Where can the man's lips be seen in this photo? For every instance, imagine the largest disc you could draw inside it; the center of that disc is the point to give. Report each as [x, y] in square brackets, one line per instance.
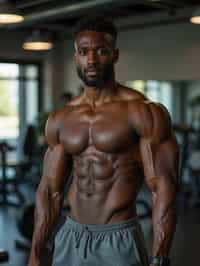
[92, 72]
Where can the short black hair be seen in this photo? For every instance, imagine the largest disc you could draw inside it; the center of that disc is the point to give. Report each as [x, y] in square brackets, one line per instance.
[96, 23]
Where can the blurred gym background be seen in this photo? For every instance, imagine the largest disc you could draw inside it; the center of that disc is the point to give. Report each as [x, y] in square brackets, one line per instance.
[159, 44]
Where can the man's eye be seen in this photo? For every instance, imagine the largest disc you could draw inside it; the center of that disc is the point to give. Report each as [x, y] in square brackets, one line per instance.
[82, 52]
[103, 51]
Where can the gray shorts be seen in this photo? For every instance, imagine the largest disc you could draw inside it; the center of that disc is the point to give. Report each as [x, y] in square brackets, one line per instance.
[120, 244]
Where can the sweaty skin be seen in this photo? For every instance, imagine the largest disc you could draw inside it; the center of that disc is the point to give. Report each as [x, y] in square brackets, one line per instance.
[109, 139]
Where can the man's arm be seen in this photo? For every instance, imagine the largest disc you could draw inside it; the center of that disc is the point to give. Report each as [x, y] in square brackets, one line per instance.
[49, 196]
[159, 151]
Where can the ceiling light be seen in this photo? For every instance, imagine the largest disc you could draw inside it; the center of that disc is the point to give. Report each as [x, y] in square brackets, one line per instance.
[9, 14]
[154, 0]
[196, 17]
[38, 41]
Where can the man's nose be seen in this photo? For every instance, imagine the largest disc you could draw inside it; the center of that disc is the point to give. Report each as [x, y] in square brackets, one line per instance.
[92, 58]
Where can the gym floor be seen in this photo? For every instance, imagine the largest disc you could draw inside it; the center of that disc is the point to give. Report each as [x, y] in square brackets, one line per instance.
[185, 250]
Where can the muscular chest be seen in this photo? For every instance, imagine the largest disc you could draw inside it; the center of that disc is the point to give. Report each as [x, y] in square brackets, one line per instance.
[107, 129]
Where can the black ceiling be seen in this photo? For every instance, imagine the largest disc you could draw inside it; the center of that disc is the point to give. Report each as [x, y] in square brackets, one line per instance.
[60, 16]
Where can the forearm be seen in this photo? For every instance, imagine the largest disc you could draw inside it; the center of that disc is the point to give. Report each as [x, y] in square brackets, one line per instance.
[47, 212]
[164, 220]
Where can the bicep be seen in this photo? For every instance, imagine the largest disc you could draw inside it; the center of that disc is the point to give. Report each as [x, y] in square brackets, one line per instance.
[57, 162]
[160, 161]
[56, 167]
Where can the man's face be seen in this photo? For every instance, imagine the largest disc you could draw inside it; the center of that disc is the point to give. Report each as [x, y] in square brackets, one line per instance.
[95, 56]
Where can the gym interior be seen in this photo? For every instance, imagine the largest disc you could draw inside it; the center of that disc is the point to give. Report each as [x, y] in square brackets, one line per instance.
[159, 45]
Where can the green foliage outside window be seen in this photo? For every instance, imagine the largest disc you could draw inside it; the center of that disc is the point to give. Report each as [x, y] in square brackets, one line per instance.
[6, 107]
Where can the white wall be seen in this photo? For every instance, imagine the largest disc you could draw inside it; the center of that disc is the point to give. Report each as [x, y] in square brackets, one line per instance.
[163, 53]
[169, 52]
[53, 77]
[71, 81]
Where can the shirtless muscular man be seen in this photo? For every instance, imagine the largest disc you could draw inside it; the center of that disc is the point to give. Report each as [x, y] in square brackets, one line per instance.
[109, 139]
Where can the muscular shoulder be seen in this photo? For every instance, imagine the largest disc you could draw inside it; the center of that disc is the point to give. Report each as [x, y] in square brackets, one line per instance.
[150, 119]
[54, 123]
[130, 94]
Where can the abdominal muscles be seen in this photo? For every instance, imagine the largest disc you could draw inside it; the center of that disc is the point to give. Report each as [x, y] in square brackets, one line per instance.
[103, 187]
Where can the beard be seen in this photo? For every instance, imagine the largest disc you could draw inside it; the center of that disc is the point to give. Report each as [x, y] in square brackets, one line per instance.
[100, 79]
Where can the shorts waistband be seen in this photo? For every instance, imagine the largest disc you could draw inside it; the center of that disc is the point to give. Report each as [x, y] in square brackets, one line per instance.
[130, 223]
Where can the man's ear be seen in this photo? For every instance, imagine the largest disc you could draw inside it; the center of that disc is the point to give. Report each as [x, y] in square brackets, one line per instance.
[75, 53]
[115, 56]
[74, 57]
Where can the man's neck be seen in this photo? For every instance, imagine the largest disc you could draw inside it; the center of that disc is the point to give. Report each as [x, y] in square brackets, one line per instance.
[96, 96]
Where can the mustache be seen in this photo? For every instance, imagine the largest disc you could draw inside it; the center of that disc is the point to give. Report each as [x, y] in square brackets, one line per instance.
[91, 68]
